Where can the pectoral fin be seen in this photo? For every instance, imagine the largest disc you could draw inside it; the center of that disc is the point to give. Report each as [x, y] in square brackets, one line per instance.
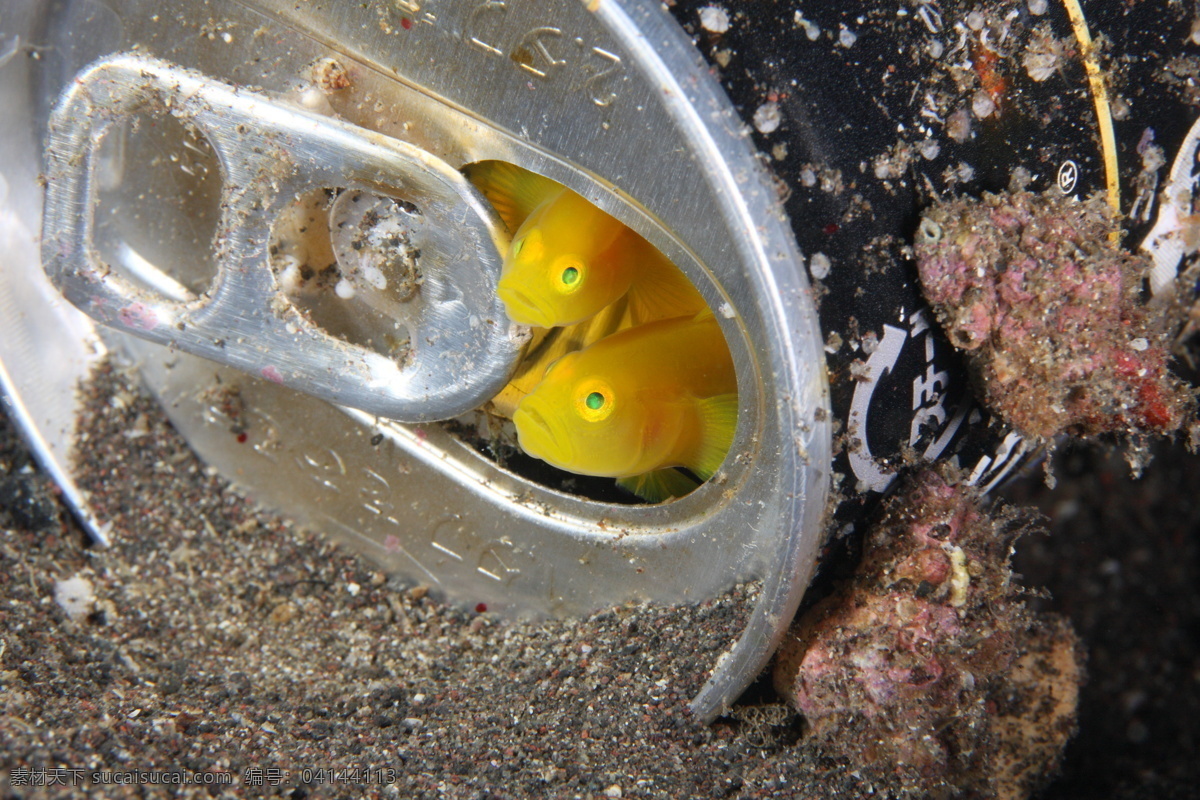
[659, 486]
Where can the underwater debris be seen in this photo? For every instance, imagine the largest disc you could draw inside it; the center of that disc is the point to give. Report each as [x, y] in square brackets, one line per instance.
[926, 671]
[1038, 292]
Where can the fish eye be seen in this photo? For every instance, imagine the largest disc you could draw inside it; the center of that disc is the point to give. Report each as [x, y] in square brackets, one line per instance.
[595, 401]
[930, 231]
[567, 274]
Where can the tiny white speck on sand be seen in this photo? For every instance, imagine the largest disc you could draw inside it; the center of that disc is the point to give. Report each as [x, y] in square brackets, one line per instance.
[767, 117]
[819, 266]
[75, 595]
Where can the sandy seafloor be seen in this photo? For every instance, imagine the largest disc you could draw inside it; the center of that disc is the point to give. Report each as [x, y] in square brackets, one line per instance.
[223, 641]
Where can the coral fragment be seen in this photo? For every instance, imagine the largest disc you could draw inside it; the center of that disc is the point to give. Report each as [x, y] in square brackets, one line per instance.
[925, 670]
[1038, 292]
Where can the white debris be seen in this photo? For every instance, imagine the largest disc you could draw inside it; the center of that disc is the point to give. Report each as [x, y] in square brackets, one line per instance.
[846, 37]
[344, 289]
[1153, 158]
[1120, 108]
[929, 149]
[833, 342]
[714, 19]
[1140, 343]
[727, 311]
[958, 126]
[1040, 66]
[75, 596]
[1038, 7]
[810, 28]
[314, 99]
[767, 117]
[819, 266]
[982, 104]
[1019, 179]
[960, 577]
[870, 342]
[290, 279]
[931, 17]
[374, 276]
[1044, 54]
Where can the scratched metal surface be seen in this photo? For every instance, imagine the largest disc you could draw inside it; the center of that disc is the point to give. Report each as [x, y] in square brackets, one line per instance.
[563, 90]
[460, 349]
[611, 101]
[46, 346]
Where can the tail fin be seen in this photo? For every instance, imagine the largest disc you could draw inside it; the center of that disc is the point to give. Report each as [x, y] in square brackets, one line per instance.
[719, 416]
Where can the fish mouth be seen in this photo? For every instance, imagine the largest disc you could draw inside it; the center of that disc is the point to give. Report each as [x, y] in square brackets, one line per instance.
[522, 308]
[538, 438]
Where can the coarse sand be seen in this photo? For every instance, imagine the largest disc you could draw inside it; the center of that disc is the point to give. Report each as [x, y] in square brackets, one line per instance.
[220, 640]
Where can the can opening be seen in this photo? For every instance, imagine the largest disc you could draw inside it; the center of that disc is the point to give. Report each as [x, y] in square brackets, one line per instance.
[629, 378]
[346, 260]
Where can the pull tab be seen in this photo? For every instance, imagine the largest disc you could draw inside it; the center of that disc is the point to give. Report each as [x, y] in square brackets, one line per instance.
[415, 246]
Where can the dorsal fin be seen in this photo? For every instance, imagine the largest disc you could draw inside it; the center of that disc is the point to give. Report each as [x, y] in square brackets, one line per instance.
[551, 345]
[660, 290]
[514, 192]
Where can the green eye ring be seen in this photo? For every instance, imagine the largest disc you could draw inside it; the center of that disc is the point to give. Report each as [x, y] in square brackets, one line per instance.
[594, 401]
[567, 274]
[516, 247]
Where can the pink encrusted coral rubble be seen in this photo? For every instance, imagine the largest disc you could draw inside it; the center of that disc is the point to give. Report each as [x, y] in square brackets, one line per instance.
[925, 671]
[1038, 292]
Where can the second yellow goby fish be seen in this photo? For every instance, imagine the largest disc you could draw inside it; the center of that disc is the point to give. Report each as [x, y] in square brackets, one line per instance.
[637, 404]
[569, 259]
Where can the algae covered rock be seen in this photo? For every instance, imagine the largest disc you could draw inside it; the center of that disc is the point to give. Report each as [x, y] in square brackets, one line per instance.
[926, 671]
[1038, 292]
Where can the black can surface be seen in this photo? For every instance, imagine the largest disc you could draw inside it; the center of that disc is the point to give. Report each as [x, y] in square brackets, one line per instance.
[870, 113]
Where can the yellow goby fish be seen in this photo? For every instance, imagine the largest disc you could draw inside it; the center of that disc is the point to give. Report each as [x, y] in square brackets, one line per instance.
[636, 404]
[549, 345]
[569, 259]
